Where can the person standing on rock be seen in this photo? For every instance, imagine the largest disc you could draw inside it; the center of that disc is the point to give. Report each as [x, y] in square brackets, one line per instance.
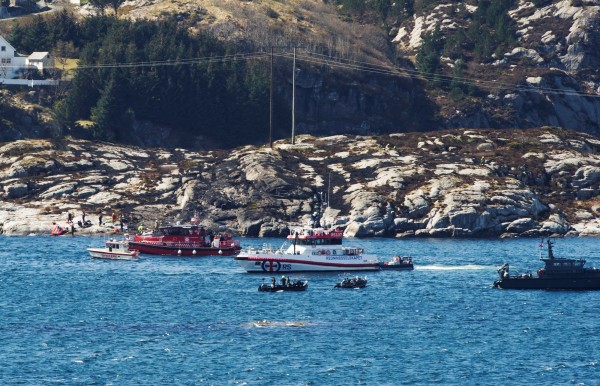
[69, 217]
[83, 216]
[114, 218]
[100, 219]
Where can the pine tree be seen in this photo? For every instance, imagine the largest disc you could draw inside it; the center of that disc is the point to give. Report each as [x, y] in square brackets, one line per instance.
[109, 114]
[428, 57]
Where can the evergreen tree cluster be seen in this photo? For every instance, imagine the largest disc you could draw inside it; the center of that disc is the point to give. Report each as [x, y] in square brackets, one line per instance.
[379, 9]
[490, 34]
[155, 71]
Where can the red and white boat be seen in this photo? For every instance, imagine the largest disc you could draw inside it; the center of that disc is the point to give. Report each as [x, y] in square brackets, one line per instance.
[114, 250]
[311, 249]
[185, 240]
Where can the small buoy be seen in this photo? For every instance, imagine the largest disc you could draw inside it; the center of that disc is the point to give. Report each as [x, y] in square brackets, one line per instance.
[220, 252]
[179, 251]
[194, 252]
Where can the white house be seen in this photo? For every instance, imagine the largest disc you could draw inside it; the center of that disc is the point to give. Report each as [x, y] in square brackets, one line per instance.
[14, 65]
[10, 61]
[40, 60]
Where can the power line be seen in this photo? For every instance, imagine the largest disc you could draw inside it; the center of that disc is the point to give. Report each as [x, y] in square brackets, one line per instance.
[347, 64]
[402, 72]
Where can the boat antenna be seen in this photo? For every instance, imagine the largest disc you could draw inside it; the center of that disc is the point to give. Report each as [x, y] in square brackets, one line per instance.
[295, 240]
[550, 254]
[329, 189]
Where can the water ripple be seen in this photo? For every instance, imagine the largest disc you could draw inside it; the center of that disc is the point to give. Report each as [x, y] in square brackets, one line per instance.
[66, 318]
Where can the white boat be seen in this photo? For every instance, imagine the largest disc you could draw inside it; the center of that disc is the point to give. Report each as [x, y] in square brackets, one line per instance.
[310, 249]
[114, 250]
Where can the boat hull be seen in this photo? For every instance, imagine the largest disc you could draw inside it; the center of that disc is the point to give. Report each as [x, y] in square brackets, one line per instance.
[299, 263]
[181, 250]
[278, 288]
[98, 253]
[399, 267]
[577, 284]
[352, 283]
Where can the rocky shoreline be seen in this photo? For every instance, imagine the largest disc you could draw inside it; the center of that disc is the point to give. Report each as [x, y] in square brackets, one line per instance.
[458, 183]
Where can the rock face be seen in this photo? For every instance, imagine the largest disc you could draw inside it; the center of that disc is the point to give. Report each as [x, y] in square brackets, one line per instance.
[460, 183]
[547, 77]
[556, 40]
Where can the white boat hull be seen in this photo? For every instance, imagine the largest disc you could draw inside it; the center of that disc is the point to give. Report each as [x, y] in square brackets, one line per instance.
[101, 253]
[273, 263]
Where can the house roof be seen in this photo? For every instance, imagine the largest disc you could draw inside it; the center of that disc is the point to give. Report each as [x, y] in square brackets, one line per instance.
[38, 56]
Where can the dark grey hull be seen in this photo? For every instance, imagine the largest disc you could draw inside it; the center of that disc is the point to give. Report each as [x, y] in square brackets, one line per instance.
[577, 284]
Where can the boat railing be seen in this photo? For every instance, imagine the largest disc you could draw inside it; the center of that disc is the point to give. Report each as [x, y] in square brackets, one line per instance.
[265, 249]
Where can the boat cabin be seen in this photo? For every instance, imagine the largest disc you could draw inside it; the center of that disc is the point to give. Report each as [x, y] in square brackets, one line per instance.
[317, 236]
[115, 245]
[561, 265]
[556, 265]
[182, 230]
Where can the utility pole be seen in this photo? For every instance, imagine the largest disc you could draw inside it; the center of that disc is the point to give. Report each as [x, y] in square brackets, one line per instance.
[294, 99]
[329, 190]
[271, 104]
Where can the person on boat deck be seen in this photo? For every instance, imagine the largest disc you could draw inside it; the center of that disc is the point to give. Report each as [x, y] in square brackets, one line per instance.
[273, 282]
[283, 280]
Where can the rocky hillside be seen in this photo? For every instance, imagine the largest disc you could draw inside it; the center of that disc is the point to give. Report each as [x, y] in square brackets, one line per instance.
[546, 75]
[454, 183]
[361, 73]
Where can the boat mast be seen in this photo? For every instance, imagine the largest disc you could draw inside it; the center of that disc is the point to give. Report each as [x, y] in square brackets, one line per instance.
[294, 99]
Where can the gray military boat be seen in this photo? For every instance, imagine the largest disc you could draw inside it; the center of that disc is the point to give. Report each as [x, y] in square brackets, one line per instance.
[557, 274]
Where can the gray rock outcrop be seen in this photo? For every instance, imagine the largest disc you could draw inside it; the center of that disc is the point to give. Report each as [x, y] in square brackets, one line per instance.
[540, 183]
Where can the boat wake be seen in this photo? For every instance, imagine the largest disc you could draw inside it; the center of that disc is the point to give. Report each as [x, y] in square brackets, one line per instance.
[468, 267]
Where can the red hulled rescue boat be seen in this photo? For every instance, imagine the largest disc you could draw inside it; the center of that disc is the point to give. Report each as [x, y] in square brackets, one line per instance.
[185, 240]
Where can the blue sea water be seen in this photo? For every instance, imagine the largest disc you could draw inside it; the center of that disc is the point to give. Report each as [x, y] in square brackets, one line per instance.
[66, 318]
